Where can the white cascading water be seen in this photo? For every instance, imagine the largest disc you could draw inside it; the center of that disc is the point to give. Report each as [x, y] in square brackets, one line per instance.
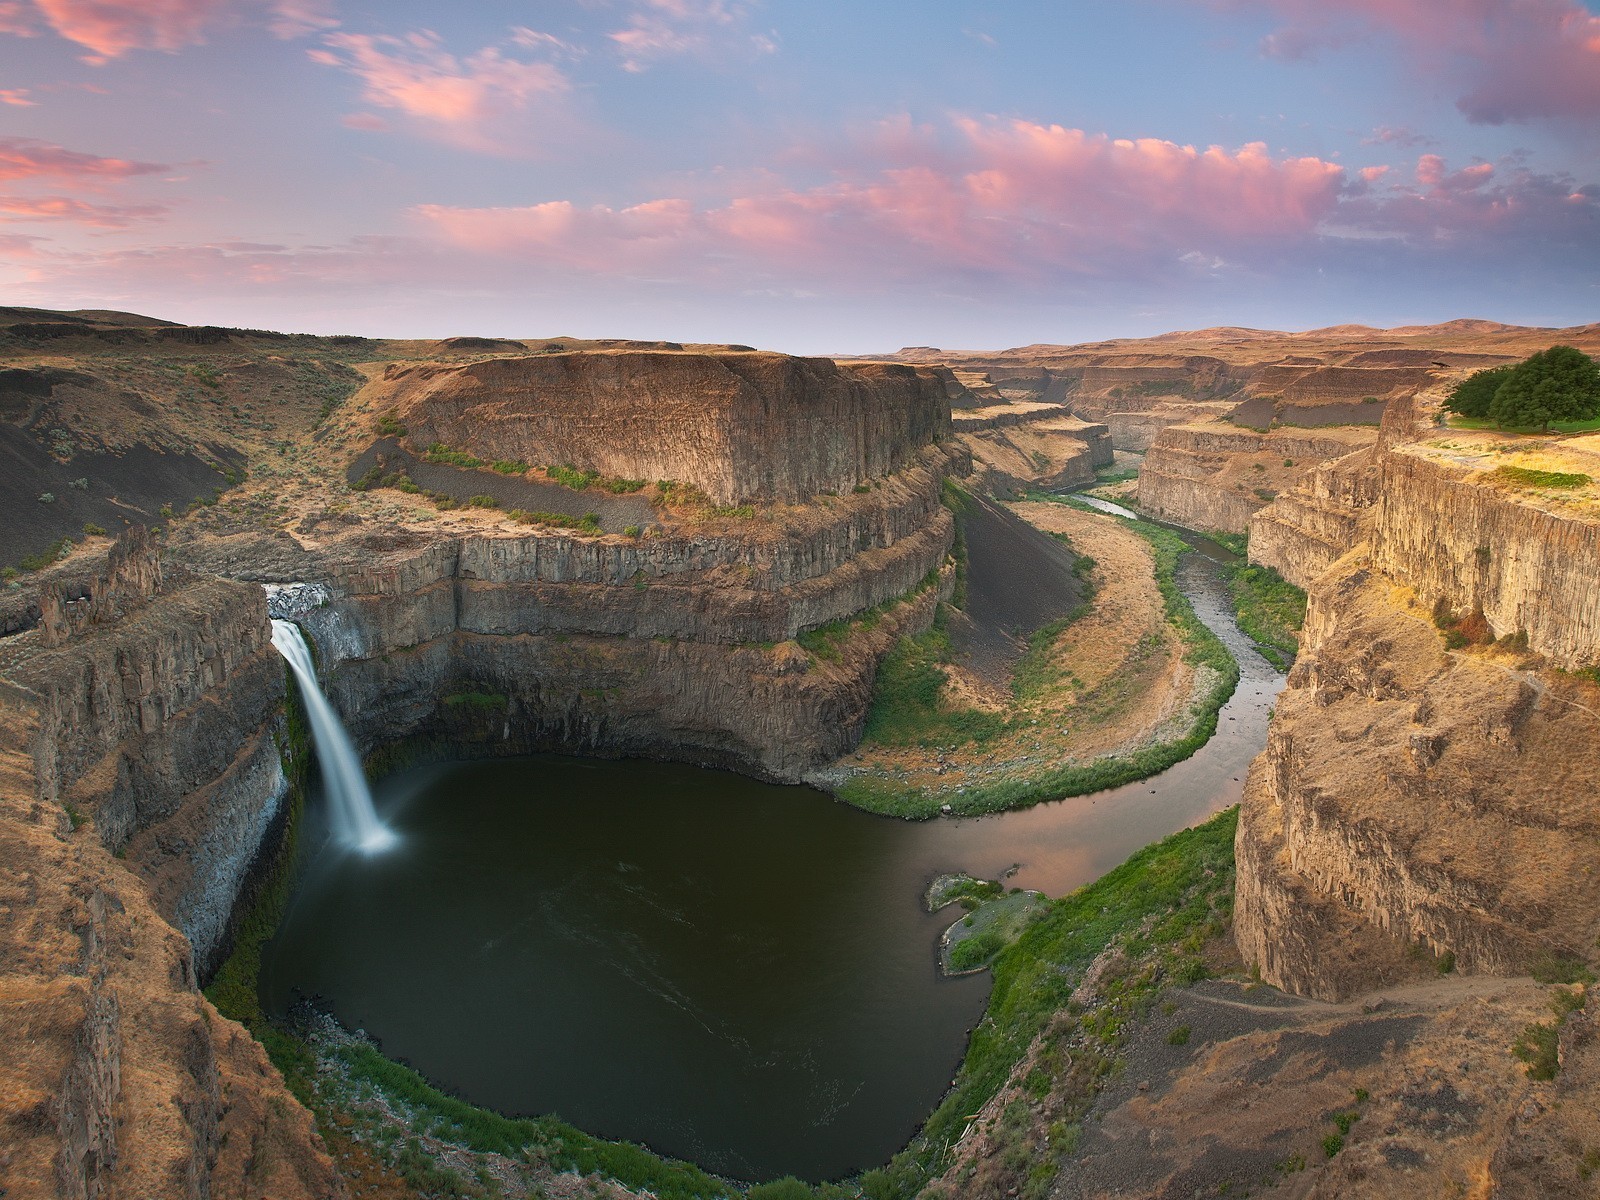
[355, 820]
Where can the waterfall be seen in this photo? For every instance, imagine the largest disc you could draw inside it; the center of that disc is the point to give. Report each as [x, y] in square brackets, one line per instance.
[355, 821]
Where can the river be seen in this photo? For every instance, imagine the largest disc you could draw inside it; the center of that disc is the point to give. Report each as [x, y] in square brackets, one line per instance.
[728, 971]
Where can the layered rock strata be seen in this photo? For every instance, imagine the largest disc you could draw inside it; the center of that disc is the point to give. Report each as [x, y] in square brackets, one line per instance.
[739, 426]
[678, 645]
[1425, 797]
[1214, 475]
[137, 717]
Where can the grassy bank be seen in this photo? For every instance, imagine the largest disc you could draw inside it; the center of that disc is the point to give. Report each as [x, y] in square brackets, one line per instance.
[1270, 610]
[1158, 908]
[906, 701]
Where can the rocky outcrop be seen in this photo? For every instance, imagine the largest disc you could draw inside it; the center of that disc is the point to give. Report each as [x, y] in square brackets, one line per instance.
[679, 645]
[739, 426]
[1020, 446]
[155, 694]
[134, 731]
[1409, 797]
[1456, 529]
[1306, 529]
[1418, 794]
[1216, 476]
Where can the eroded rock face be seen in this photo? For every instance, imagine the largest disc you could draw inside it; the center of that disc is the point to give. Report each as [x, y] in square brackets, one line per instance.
[739, 426]
[121, 1080]
[1214, 475]
[1527, 560]
[674, 646]
[155, 694]
[1415, 802]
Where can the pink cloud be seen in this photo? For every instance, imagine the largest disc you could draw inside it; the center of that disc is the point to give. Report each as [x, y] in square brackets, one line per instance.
[1510, 60]
[1009, 198]
[64, 208]
[659, 29]
[111, 28]
[464, 98]
[17, 97]
[25, 158]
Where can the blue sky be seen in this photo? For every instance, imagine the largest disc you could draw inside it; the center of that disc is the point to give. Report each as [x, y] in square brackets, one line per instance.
[808, 177]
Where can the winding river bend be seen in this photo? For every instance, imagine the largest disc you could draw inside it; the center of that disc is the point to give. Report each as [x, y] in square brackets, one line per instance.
[727, 971]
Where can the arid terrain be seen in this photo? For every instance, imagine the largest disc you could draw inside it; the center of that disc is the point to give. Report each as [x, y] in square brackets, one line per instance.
[1381, 971]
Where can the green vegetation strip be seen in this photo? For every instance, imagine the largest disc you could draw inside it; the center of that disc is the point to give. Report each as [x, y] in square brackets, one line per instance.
[901, 704]
[1270, 611]
[1529, 477]
[1160, 906]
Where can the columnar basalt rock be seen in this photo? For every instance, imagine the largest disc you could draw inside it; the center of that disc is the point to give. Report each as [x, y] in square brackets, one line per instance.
[740, 427]
[1418, 798]
[122, 1082]
[1215, 475]
[679, 645]
[1448, 525]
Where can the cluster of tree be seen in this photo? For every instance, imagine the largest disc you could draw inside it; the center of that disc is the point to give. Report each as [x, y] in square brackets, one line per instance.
[1558, 384]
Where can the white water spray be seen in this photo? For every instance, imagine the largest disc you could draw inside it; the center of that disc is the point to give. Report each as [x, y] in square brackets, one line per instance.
[355, 820]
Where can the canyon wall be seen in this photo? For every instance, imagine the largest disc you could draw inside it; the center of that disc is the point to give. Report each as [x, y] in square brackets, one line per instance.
[1019, 446]
[677, 645]
[156, 694]
[1462, 535]
[140, 778]
[1425, 801]
[739, 426]
[1214, 475]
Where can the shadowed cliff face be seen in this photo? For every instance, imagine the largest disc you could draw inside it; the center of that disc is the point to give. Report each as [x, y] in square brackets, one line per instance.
[739, 427]
[136, 717]
[1418, 795]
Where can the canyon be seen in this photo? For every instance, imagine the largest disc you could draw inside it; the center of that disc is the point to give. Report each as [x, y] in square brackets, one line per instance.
[704, 553]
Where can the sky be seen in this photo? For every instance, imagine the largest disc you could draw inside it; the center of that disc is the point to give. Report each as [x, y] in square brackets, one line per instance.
[816, 177]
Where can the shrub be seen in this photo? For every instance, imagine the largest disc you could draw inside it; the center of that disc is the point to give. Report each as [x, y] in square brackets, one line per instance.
[632, 531]
[623, 487]
[483, 502]
[568, 476]
[1179, 1036]
[1538, 1047]
[94, 530]
[390, 426]
[970, 953]
[440, 453]
[508, 466]
[47, 498]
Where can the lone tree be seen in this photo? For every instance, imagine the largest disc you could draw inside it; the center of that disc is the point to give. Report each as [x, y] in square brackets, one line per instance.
[1473, 395]
[1558, 384]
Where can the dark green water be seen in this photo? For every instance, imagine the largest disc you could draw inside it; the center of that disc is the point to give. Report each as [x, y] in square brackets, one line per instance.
[727, 971]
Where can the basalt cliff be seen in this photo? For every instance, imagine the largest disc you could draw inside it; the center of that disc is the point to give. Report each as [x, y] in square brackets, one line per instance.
[703, 553]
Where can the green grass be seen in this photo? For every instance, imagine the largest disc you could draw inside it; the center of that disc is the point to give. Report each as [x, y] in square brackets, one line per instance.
[1530, 477]
[1555, 426]
[588, 523]
[908, 700]
[568, 476]
[1270, 611]
[892, 798]
[558, 1143]
[826, 642]
[1161, 905]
